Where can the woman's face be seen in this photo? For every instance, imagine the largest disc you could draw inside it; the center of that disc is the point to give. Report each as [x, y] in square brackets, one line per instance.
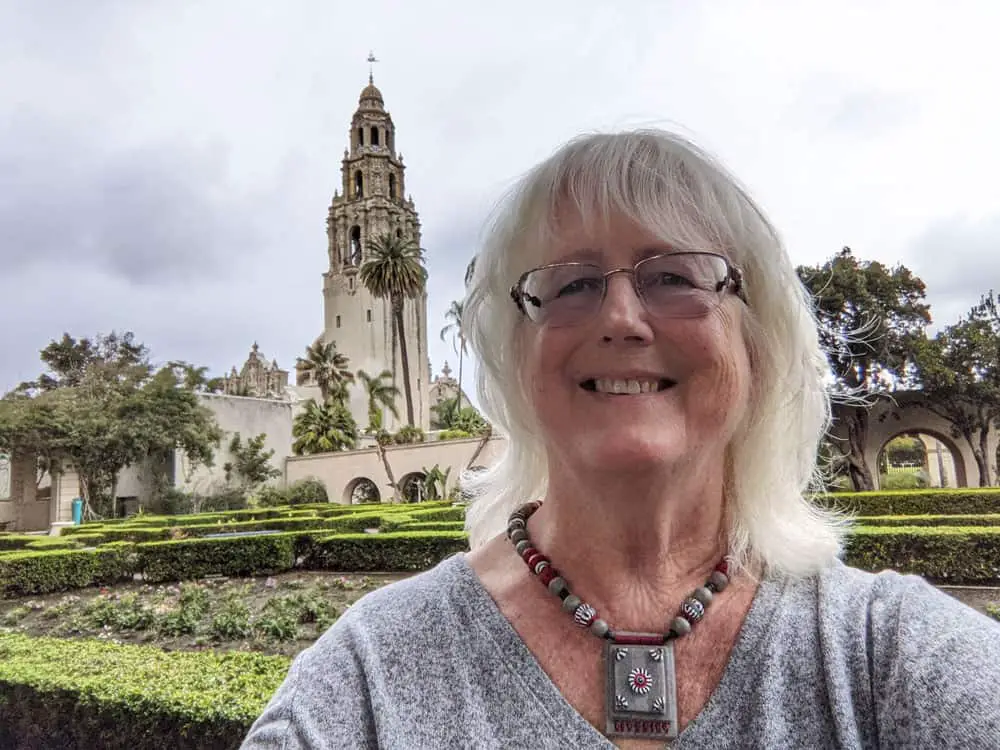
[701, 364]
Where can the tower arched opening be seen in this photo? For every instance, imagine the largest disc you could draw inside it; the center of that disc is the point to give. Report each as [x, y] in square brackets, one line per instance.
[354, 258]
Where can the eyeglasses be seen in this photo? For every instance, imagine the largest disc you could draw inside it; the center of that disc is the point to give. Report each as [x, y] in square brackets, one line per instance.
[671, 285]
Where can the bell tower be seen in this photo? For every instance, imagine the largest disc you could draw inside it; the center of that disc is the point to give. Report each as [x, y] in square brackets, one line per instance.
[371, 203]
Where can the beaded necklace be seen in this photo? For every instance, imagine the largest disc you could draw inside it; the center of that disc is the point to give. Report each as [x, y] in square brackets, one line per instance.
[640, 687]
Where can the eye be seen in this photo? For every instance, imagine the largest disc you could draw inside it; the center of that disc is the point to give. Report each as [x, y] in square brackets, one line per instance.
[665, 279]
[579, 286]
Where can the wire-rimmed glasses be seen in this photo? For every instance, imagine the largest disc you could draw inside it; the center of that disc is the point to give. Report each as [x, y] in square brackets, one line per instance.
[670, 285]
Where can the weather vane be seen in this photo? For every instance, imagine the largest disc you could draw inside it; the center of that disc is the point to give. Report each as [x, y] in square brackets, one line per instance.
[371, 71]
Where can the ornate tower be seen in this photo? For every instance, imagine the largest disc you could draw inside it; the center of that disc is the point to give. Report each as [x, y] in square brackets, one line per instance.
[370, 204]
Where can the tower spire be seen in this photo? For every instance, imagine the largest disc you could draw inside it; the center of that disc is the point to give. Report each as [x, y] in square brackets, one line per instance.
[371, 70]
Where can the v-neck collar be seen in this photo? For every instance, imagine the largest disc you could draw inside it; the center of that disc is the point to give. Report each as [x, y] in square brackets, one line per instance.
[567, 723]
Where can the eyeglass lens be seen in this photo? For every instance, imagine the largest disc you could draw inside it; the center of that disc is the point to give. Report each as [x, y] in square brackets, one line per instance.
[677, 285]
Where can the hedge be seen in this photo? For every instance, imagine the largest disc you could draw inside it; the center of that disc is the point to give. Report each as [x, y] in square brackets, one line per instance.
[404, 551]
[991, 519]
[942, 554]
[82, 694]
[25, 573]
[18, 541]
[432, 526]
[914, 502]
[232, 556]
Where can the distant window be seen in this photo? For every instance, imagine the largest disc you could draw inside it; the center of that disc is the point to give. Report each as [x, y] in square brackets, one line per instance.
[369, 316]
[359, 191]
[392, 187]
[355, 256]
[399, 232]
[338, 321]
[374, 136]
[361, 136]
[350, 283]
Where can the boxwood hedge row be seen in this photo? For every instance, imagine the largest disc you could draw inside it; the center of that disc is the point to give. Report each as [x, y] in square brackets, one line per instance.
[975, 501]
[83, 694]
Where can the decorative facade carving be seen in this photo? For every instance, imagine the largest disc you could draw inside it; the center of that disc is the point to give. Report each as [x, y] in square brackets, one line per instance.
[257, 378]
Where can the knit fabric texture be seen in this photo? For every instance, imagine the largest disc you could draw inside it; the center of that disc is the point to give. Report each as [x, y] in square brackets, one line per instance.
[843, 659]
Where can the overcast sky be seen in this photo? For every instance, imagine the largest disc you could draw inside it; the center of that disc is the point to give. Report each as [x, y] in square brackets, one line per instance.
[166, 167]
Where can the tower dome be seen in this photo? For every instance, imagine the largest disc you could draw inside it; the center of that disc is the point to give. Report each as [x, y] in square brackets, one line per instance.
[371, 97]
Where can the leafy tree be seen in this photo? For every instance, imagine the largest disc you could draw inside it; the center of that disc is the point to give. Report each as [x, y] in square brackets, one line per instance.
[448, 416]
[435, 483]
[870, 319]
[959, 371]
[196, 378]
[99, 408]
[382, 394]
[394, 271]
[327, 368]
[324, 428]
[455, 329]
[251, 463]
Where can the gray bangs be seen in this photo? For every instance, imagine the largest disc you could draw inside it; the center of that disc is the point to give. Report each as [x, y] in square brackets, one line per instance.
[676, 194]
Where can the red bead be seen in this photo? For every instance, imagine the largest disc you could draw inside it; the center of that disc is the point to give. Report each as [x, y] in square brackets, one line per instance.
[547, 574]
[527, 552]
[533, 560]
[723, 567]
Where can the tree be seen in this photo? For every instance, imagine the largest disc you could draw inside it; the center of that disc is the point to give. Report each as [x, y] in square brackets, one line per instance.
[100, 408]
[395, 272]
[435, 482]
[382, 394]
[870, 319]
[327, 368]
[251, 463]
[196, 378]
[959, 371]
[323, 428]
[457, 332]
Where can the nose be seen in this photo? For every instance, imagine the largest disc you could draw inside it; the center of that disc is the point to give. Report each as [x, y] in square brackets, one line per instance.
[623, 317]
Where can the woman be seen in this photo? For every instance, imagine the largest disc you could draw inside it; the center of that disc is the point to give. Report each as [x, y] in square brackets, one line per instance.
[645, 343]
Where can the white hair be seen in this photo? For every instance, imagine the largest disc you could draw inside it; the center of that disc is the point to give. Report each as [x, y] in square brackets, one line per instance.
[681, 194]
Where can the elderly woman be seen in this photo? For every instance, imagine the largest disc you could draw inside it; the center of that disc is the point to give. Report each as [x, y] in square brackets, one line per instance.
[645, 568]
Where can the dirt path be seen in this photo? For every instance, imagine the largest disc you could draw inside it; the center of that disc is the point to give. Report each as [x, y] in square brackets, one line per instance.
[976, 597]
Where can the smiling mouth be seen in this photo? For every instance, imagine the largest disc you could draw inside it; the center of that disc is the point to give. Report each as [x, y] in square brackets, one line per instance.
[627, 387]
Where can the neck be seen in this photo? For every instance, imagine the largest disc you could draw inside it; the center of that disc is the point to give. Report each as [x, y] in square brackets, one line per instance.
[628, 549]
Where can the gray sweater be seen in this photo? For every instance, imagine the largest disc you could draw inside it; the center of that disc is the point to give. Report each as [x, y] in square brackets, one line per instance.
[845, 659]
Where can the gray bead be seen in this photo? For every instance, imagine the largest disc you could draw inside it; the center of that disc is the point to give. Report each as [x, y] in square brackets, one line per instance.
[719, 580]
[703, 595]
[522, 545]
[599, 628]
[570, 603]
[680, 626]
[516, 523]
[518, 535]
[557, 585]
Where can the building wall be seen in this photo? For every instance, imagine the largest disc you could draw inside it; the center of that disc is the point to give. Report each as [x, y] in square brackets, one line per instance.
[339, 472]
[247, 416]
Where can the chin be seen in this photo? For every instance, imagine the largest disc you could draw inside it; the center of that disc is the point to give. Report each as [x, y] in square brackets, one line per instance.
[624, 452]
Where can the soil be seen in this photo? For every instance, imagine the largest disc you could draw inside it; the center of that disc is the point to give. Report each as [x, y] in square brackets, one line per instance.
[282, 614]
[233, 614]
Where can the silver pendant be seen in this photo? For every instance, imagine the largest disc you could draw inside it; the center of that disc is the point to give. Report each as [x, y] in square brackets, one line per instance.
[641, 688]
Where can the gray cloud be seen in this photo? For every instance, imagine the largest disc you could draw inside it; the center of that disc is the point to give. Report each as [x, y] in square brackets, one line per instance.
[959, 260]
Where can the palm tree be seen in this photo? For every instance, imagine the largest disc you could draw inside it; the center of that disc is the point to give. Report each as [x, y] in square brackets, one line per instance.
[382, 394]
[323, 428]
[456, 330]
[394, 271]
[327, 368]
[446, 411]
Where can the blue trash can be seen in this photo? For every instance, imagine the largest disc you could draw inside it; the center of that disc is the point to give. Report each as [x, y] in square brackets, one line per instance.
[77, 511]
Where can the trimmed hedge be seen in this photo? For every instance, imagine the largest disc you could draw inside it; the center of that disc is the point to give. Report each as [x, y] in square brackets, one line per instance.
[233, 556]
[404, 551]
[942, 554]
[25, 573]
[17, 541]
[57, 693]
[992, 519]
[432, 526]
[979, 501]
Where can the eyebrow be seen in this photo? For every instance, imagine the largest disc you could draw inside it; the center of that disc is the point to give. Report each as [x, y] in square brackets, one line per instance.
[596, 255]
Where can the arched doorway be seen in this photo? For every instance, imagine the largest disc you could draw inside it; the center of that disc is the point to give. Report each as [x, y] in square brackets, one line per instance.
[362, 490]
[920, 459]
[412, 487]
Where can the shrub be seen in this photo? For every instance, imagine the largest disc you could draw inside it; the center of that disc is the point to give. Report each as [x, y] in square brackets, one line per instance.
[914, 502]
[454, 435]
[52, 543]
[305, 491]
[955, 555]
[408, 435]
[991, 519]
[402, 551]
[26, 573]
[269, 497]
[89, 693]
[233, 556]
[17, 541]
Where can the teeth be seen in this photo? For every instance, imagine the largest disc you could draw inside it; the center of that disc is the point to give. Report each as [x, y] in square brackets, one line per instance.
[631, 387]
